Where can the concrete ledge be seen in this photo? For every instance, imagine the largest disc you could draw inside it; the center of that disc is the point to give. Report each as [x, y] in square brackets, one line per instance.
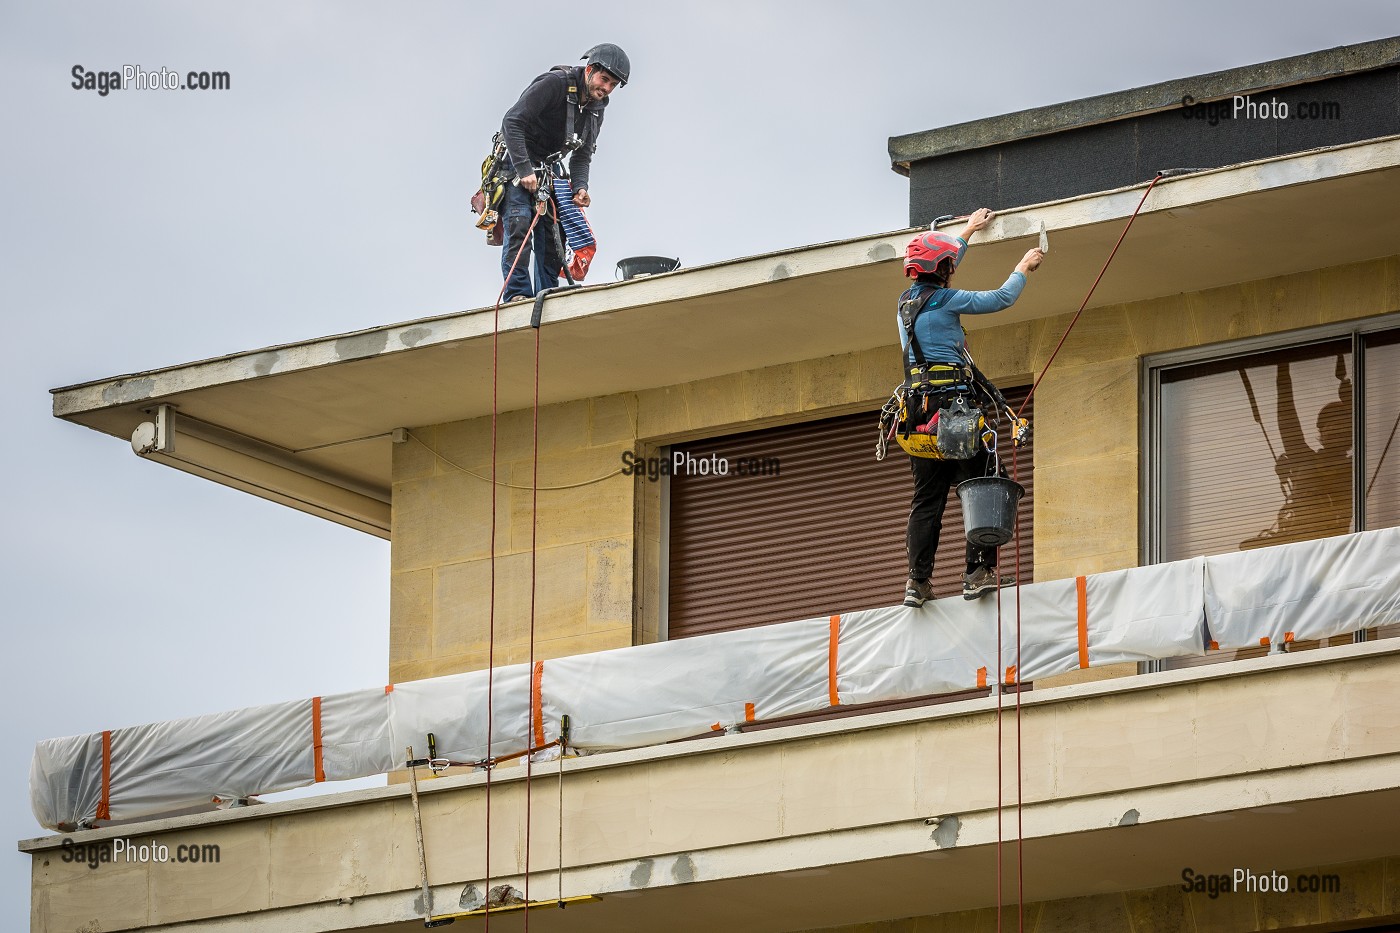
[1122, 780]
[1071, 693]
[1120, 105]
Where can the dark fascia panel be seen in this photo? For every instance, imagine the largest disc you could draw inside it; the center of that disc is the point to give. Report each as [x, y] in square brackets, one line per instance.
[1121, 105]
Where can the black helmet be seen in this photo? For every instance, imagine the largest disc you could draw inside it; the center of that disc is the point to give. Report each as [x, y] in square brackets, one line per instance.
[611, 58]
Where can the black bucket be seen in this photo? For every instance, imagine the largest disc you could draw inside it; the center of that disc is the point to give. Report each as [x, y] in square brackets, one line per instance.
[634, 266]
[989, 509]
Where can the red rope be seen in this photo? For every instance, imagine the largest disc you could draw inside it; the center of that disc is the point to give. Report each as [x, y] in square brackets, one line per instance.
[491, 630]
[534, 525]
[1015, 471]
[1075, 319]
[1000, 682]
[1020, 828]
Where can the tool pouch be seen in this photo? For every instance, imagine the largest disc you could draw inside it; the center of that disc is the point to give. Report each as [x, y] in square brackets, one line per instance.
[495, 175]
[959, 430]
[950, 431]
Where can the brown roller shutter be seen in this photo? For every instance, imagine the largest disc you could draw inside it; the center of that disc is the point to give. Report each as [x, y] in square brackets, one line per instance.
[823, 534]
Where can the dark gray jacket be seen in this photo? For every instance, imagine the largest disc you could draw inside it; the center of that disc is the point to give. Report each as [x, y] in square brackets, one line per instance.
[534, 127]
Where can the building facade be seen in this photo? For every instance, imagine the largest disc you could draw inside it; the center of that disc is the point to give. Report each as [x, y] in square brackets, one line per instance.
[1232, 385]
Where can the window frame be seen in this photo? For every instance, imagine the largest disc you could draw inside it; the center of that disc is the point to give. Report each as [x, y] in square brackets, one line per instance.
[1151, 367]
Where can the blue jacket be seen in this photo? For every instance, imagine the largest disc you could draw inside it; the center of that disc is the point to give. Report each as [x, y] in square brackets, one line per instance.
[938, 327]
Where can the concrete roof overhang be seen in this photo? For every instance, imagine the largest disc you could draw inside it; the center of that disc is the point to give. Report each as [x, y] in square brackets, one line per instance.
[308, 424]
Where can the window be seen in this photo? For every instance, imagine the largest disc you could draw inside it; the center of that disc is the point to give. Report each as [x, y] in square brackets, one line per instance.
[1272, 446]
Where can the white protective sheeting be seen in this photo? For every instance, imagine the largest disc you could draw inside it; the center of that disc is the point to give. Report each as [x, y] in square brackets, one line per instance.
[893, 654]
[1297, 592]
[656, 693]
[355, 735]
[188, 762]
[173, 765]
[1147, 613]
[648, 694]
[1049, 630]
[1142, 614]
[453, 708]
[65, 780]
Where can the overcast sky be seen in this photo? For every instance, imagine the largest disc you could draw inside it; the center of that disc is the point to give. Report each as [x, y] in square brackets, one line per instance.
[327, 190]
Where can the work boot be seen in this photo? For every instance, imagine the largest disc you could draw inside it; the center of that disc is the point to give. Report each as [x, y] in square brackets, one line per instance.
[917, 592]
[981, 581]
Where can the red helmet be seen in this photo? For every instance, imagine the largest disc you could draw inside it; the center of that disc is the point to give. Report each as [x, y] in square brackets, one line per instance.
[926, 251]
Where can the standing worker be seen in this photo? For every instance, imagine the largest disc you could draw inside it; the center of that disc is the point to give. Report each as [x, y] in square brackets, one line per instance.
[936, 373]
[561, 112]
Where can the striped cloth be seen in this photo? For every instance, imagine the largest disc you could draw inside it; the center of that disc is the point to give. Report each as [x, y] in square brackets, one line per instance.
[578, 235]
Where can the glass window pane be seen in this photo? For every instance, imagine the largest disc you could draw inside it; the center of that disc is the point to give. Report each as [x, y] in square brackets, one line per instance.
[1256, 450]
[1382, 401]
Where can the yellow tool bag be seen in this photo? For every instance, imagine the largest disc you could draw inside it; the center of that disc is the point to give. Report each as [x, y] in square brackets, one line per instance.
[952, 431]
[495, 175]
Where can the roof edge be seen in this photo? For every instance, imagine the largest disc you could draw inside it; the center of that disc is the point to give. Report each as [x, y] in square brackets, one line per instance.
[165, 383]
[1140, 101]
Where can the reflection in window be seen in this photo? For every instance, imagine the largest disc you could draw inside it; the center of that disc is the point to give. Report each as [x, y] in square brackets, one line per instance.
[1256, 451]
[1262, 449]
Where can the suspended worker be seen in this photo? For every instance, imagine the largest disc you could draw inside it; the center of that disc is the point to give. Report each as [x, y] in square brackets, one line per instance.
[939, 380]
[559, 114]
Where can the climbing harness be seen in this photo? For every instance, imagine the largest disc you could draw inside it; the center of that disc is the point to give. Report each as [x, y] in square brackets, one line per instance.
[919, 374]
[496, 171]
[940, 410]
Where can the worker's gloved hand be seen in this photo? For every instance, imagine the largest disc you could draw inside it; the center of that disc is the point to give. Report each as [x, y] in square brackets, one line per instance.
[530, 182]
[581, 197]
[1030, 262]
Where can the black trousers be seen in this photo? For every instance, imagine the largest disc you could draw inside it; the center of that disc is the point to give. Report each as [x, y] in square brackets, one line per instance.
[932, 480]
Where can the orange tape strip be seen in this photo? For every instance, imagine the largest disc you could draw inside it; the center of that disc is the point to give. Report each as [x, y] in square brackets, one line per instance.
[1081, 589]
[537, 703]
[316, 738]
[1287, 636]
[388, 688]
[981, 677]
[104, 806]
[716, 728]
[748, 712]
[832, 696]
[1264, 642]
[1011, 675]
[1215, 646]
